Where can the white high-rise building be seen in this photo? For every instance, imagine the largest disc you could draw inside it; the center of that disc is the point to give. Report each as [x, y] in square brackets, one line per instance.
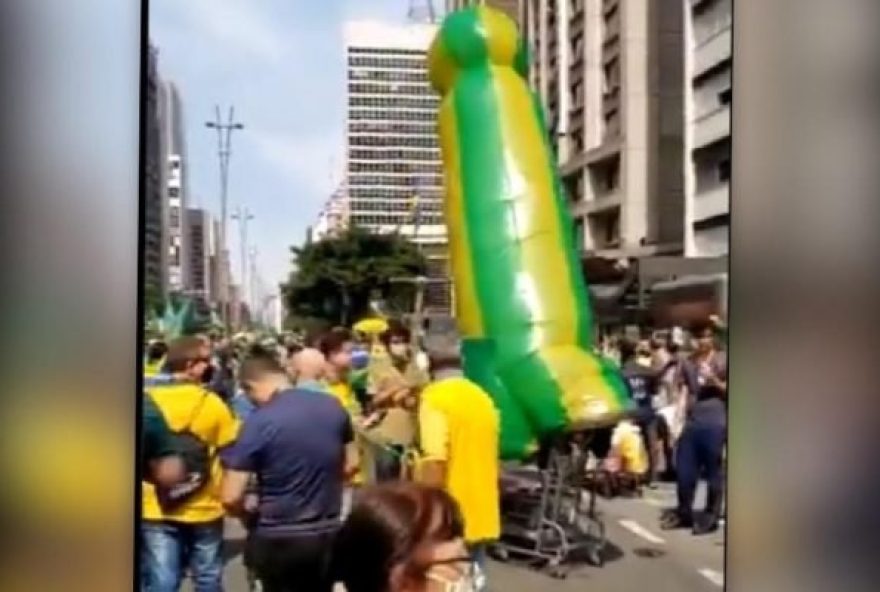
[394, 172]
[177, 187]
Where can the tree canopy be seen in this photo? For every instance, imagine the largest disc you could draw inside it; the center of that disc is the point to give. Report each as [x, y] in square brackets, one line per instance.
[336, 278]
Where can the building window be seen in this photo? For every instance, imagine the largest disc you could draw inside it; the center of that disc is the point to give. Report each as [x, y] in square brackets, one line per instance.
[724, 170]
[579, 234]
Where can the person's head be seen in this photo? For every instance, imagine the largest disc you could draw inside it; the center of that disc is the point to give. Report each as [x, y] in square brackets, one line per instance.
[307, 364]
[261, 376]
[156, 351]
[188, 358]
[444, 352]
[396, 340]
[628, 350]
[660, 353]
[336, 346]
[403, 537]
[703, 336]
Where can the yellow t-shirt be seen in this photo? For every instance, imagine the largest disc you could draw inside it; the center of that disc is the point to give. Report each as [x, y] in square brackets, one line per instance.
[153, 368]
[215, 424]
[343, 393]
[459, 424]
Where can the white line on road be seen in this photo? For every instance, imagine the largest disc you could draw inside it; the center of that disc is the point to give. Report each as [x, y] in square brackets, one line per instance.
[638, 530]
[713, 576]
[657, 503]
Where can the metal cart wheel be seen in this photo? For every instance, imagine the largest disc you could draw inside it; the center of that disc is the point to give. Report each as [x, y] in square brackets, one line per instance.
[556, 570]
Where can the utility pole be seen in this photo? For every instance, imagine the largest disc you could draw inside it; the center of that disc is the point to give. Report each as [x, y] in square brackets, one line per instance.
[255, 298]
[243, 217]
[224, 152]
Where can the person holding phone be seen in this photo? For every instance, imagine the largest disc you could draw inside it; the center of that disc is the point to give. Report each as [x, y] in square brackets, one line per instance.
[700, 448]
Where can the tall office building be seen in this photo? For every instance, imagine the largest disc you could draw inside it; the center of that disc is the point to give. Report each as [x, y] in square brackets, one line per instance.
[177, 187]
[709, 94]
[610, 75]
[155, 251]
[199, 228]
[511, 7]
[394, 172]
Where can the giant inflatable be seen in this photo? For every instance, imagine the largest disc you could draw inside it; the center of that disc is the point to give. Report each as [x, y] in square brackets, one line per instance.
[522, 305]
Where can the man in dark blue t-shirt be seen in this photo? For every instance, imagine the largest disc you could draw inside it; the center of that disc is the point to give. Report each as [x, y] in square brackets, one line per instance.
[294, 444]
[641, 382]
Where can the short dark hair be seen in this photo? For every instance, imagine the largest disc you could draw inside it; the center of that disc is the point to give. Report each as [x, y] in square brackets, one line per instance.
[697, 328]
[259, 365]
[333, 340]
[156, 351]
[389, 526]
[182, 352]
[628, 349]
[395, 329]
[444, 351]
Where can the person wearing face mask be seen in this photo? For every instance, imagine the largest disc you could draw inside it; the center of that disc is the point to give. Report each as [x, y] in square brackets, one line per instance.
[182, 526]
[395, 381]
[404, 537]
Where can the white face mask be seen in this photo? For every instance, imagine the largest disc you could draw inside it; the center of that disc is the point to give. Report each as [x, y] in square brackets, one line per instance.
[464, 584]
[470, 582]
[398, 349]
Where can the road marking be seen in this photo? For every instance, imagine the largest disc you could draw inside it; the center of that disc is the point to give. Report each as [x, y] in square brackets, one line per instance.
[713, 576]
[657, 503]
[635, 528]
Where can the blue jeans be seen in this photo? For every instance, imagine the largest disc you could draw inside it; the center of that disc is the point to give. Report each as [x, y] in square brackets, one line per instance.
[479, 555]
[169, 548]
[699, 451]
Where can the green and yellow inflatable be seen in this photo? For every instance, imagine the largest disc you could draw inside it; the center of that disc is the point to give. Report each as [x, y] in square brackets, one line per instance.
[521, 300]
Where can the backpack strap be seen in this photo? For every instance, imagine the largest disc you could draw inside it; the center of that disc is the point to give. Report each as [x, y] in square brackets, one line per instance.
[195, 413]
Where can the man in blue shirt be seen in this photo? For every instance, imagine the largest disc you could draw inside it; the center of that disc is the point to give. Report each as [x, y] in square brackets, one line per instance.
[294, 445]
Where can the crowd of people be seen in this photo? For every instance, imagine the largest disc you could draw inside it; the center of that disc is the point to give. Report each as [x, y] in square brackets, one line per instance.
[372, 462]
[381, 478]
[679, 392]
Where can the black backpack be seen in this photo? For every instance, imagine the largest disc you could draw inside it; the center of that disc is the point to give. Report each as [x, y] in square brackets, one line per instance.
[196, 456]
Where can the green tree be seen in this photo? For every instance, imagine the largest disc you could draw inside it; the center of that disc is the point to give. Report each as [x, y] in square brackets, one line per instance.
[334, 278]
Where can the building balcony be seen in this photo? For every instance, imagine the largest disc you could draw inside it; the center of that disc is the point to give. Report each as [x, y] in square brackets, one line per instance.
[713, 50]
[711, 127]
[712, 202]
[602, 203]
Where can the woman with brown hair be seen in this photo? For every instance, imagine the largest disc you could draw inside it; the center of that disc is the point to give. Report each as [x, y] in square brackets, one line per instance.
[403, 537]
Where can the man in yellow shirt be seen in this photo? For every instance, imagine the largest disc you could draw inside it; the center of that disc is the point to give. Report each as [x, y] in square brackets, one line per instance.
[182, 527]
[459, 428]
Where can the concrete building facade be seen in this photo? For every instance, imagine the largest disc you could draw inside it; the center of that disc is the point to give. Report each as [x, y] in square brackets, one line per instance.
[394, 181]
[177, 186]
[155, 251]
[708, 147]
[610, 75]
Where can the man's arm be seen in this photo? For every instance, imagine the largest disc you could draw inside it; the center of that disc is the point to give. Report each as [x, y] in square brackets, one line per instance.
[351, 459]
[240, 461]
[434, 435]
[233, 490]
[163, 466]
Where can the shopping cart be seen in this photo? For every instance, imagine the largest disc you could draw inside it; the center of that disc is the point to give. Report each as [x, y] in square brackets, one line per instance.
[549, 515]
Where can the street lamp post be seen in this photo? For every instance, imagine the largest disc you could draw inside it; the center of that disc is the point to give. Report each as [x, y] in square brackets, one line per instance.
[224, 151]
[243, 217]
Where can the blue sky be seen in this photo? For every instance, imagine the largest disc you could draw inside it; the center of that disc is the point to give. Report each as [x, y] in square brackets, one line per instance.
[281, 63]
